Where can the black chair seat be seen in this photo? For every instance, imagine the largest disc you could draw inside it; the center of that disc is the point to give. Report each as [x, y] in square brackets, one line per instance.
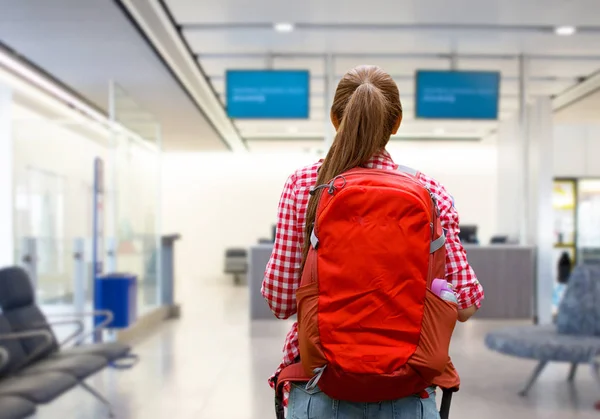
[112, 351]
[80, 366]
[236, 253]
[39, 388]
[37, 370]
[15, 408]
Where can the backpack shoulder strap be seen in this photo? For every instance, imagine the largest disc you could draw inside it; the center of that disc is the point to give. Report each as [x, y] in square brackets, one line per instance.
[408, 170]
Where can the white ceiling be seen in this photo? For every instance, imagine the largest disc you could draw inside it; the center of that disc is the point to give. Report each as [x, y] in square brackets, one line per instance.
[86, 43]
[585, 111]
[400, 36]
[508, 12]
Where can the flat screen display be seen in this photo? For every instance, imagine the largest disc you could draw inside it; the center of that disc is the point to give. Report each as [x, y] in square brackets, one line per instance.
[457, 94]
[260, 94]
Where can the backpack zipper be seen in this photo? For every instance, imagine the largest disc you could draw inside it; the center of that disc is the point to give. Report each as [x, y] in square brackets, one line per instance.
[378, 172]
[402, 191]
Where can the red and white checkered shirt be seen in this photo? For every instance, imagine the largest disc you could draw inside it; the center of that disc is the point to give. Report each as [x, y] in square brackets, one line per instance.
[282, 276]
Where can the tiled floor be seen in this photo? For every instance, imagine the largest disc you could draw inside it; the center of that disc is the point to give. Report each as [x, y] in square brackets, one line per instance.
[213, 364]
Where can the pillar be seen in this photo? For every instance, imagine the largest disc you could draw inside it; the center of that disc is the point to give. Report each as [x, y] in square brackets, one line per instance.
[329, 90]
[524, 149]
[509, 180]
[7, 248]
[540, 172]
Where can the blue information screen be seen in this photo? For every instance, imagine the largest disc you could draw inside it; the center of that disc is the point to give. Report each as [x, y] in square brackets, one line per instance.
[268, 93]
[457, 94]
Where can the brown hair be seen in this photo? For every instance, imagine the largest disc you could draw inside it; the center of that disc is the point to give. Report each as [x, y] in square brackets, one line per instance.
[367, 107]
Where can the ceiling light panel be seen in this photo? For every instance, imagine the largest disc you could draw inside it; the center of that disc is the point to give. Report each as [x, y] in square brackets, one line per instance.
[565, 30]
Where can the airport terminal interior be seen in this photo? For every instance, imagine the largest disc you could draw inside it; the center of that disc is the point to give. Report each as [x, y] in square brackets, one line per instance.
[144, 148]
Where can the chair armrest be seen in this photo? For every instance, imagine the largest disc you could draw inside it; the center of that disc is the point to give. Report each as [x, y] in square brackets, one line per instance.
[595, 364]
[3, 358]
[80, 328]
[48, 337]
[108, 318]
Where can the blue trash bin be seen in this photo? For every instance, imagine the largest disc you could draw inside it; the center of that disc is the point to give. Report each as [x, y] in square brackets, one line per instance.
[117, 293]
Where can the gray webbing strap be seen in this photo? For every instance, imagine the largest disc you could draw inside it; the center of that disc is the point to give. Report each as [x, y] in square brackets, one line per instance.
[407, 170]
[437, 243]
[314, 241]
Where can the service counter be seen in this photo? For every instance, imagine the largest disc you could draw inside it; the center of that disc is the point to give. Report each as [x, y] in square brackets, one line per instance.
[258, 257]
[507, 273]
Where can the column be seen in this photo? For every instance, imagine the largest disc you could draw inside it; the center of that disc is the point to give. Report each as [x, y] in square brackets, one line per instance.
[160, 283]
[7, 255]
[540, 167]
[524, 152]
[513, 163]
[510, 178]
[328, 130]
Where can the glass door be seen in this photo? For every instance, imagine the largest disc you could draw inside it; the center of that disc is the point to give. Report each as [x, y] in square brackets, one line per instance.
[588, 220]
[46, 199]
[564, 202]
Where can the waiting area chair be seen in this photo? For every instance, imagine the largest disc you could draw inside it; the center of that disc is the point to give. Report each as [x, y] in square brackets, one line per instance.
[37, 368]
[574, 339]
[13, 407]
[236, 263]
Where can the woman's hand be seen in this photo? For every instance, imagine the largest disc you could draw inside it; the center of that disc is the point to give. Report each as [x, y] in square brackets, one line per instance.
[465, 314]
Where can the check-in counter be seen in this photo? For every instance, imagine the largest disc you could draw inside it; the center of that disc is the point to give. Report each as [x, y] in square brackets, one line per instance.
[258, 257]
[507, 273]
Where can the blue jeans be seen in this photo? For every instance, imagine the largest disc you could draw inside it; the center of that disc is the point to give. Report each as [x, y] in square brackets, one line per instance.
[315, 404]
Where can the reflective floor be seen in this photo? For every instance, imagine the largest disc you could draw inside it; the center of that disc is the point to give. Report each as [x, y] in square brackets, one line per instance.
[213, 364]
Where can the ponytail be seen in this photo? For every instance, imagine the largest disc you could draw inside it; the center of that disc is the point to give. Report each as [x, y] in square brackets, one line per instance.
[364, 130]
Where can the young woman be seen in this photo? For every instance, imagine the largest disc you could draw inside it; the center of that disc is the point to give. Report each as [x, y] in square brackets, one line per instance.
[366, 111]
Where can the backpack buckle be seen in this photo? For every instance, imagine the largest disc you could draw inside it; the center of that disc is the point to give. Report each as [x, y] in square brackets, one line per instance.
[314, 240]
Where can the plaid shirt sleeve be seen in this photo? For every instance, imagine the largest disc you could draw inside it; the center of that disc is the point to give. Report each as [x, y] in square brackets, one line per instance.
[458, 270]
[282, 277]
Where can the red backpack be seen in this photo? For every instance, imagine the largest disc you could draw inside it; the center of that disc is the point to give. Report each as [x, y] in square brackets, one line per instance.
[370, 328]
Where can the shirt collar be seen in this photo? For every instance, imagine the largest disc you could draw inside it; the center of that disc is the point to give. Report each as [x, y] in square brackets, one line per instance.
[381, 160]
[382, 157]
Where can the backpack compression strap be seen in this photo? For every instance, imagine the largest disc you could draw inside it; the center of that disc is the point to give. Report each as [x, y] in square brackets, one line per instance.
[291, 373]
[295, 373]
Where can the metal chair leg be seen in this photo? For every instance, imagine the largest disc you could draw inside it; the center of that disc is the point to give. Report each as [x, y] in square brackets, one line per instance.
[595, 364]
[99, 397]
[572, 372]
[445, 406]
[534, 376]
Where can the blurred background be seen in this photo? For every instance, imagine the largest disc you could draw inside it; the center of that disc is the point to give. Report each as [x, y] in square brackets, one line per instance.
[144, 145]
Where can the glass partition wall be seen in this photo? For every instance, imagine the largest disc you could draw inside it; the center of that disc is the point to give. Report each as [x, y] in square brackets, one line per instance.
[576, 207]
[564, 203]
[54, 206]
[137, 199]
[588, 220]
[53, 180]
[136, 213]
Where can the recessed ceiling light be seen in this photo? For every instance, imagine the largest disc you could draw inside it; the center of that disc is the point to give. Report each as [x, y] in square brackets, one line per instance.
[284, 27]
[565, 30]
